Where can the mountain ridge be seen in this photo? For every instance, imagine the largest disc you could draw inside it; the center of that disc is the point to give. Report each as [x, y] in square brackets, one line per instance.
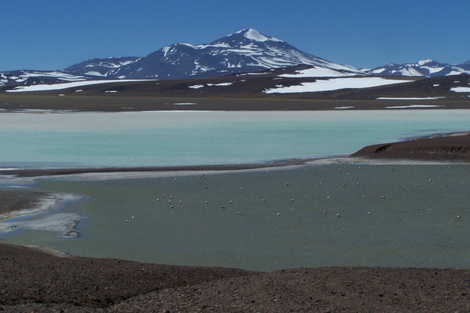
[422, 68]
[245, 51]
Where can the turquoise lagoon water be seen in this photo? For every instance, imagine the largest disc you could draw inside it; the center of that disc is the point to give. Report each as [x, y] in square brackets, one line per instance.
[316, 215]
[176, 138]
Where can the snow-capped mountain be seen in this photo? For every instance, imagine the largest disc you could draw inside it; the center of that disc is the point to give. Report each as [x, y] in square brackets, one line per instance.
[465, 66]
[30, 77]
[244, 51]
[423, 68]
[99, 67]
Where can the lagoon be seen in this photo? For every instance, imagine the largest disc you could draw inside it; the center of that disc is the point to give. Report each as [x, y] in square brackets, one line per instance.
[321, 214]
[42, 140]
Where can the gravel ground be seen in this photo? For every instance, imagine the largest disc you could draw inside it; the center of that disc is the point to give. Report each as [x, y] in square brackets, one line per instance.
[33, 281]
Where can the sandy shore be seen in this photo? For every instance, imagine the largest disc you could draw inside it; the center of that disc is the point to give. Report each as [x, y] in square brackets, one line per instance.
[16, 200]
[34, 281]
[13, 200]
[162, 169]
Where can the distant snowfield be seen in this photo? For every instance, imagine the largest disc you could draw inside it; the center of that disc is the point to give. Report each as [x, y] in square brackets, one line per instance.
[414, 106]
[210, 85]
[337, 84]
[196, 86]
[221, 84]
[460, 89]
[317, 72]
[47, 87]
[411, 99]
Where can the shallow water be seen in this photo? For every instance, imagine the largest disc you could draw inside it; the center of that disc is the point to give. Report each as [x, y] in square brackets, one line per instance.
[389, 215]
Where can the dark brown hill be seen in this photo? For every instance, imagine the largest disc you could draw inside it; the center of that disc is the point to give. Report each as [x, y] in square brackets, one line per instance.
[449, 147]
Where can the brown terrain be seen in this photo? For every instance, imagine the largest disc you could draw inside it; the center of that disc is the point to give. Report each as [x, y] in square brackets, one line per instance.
[33, 281]
[244, 93]
[446, 147]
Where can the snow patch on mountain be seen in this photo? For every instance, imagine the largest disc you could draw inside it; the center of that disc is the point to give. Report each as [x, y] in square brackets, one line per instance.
[336, 84]
[95, 73]
[3, 79]
[317, 72]
[256, 36]
[410, 98]
[460, 89]
[196, 86]
[221, 84]
[49, 87]
[423, 62]
[53, 74]
[414, 106]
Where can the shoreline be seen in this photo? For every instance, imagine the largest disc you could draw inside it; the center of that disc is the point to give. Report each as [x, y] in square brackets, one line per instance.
[14, 215]
[13, 172]
[105, 173]
[441, 148]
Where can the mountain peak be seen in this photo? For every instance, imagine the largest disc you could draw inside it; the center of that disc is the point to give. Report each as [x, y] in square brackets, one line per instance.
[425, 61]
[244, 51]
[248, 36]
[254, 35]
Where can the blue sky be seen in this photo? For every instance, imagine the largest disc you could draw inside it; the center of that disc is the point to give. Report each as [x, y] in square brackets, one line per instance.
[53, 34]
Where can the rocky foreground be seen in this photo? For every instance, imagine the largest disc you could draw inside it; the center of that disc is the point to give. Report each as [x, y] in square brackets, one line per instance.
[34, 281]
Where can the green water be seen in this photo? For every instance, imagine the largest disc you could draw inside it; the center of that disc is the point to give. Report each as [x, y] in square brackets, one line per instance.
[389, 215]
[195, 138]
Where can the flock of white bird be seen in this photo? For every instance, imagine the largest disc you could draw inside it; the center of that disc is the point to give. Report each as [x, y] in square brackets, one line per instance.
[171, 203]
